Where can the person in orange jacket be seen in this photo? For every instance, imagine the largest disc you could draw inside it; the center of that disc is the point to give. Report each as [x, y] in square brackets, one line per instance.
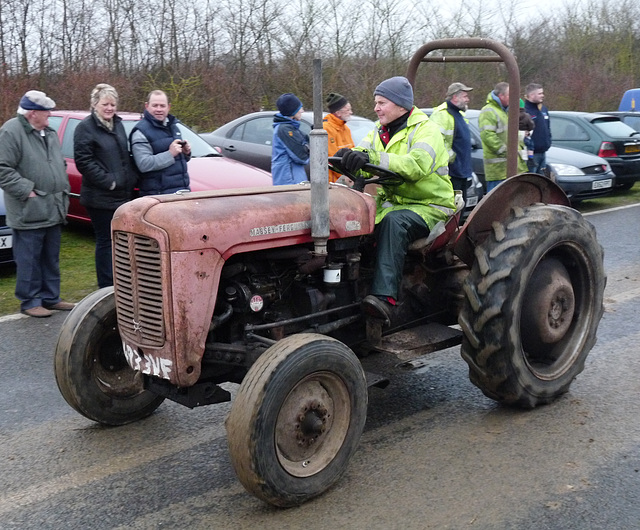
[335, 123]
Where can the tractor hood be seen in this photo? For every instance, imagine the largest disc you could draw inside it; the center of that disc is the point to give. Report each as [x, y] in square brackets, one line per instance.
[231, 221]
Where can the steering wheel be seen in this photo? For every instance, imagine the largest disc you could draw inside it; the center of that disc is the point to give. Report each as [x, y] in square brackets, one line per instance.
[380, 175]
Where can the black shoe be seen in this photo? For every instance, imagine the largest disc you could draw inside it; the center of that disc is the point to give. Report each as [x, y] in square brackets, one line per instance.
[374, 307]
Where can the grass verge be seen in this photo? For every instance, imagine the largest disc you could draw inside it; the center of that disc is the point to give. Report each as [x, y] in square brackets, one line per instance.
[77, 270]
[77, 266]
[615, 199]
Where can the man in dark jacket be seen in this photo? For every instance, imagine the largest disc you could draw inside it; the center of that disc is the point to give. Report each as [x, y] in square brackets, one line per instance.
[456, 135]
[36, 193]
[159, 151]
[541, 135]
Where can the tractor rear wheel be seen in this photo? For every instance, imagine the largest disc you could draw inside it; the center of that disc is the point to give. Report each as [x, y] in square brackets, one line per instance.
[90, 367]
[533, 301]
[297, 419]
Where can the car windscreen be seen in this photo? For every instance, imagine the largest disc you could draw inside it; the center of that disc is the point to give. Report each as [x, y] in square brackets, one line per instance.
[632, 121]
[67, 139]
[360, 128]
[54, 122]
[613, 128]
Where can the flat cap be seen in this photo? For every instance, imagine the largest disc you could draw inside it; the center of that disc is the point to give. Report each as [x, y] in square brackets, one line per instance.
[454, 88]
[36, 100]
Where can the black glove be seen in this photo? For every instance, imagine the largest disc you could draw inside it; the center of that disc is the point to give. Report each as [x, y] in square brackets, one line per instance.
[354, 160]
[340, 152]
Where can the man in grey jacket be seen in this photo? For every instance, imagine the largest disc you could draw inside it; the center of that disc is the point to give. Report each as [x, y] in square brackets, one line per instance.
[36, 196]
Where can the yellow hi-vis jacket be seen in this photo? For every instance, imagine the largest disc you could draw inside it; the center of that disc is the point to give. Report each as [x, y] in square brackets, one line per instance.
[417, 153]
[446, 121]
[493, 133]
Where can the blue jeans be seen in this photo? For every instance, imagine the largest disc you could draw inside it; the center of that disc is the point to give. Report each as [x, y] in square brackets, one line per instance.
[37, 256]
[492, 184]
[538, 164]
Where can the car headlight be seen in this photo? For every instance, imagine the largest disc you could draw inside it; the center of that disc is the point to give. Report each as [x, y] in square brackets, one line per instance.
[567, 170]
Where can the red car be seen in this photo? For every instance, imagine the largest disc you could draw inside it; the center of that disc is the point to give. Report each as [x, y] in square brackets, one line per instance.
[208, 169]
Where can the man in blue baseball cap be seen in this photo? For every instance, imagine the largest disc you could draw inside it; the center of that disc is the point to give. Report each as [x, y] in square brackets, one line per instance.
[36, 195]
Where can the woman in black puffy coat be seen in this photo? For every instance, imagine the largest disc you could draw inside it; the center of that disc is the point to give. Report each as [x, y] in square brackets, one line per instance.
[108, 175]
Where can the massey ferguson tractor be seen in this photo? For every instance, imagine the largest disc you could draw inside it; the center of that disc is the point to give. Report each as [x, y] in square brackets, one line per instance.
[263, 288]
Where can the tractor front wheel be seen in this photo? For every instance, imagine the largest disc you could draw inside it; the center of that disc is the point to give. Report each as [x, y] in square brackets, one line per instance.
[297, 419]
[90, 367]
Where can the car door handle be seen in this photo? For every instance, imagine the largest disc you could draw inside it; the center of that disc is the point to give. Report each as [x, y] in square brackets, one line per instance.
[229, 148]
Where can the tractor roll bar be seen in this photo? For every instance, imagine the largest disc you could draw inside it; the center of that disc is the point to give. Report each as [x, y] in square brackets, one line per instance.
[503, 55]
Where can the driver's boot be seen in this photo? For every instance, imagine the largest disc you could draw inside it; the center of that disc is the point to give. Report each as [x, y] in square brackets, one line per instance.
[377, 308]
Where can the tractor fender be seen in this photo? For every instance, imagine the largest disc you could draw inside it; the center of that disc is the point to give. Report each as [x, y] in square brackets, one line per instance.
[519, 191]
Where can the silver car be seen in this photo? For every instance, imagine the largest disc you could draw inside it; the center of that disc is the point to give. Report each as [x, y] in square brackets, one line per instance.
[249, 138]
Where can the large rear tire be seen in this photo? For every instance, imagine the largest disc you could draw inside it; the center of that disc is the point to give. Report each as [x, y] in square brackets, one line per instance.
[533, 302]
[90, 367]
[297, 419]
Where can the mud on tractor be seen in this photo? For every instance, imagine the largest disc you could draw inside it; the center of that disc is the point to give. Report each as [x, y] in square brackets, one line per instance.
[262, 287]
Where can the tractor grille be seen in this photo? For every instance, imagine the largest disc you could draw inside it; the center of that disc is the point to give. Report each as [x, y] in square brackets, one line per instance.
[138, 281]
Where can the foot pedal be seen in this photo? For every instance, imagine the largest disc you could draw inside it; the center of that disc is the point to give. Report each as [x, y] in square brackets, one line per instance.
[411, 343]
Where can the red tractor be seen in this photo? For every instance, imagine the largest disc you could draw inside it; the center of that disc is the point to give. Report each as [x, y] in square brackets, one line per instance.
[262, 287]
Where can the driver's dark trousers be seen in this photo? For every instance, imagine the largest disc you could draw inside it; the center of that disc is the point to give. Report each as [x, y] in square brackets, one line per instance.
[397, 230]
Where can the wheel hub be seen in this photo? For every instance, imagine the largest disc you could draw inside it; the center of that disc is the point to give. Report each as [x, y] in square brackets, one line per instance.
[111, 371]
[548, 305]
[311, 423]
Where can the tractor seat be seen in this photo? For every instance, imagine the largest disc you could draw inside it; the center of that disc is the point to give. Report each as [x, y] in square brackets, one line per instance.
[442, 231]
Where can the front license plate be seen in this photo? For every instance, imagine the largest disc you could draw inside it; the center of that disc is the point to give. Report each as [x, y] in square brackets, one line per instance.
[6, 242]
[633, 148]
[601, 184]
[472, 201]
[147, 363]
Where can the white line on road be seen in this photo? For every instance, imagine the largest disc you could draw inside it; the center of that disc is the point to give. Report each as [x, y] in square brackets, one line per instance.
[617, 208]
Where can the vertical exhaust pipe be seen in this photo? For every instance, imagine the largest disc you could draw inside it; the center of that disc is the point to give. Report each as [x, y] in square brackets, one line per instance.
[318, 154]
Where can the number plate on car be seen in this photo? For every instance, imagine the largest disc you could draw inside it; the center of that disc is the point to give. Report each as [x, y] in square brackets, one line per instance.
[601, 184]
[472, 201]
[6, 241]
[632, 148]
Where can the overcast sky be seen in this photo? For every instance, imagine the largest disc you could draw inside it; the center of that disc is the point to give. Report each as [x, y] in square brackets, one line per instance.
[529, 8]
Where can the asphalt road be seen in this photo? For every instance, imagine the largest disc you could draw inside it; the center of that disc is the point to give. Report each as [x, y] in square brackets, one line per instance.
[435, 452]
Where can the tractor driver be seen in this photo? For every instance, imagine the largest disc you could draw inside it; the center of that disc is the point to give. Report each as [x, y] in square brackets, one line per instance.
[407, 143]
